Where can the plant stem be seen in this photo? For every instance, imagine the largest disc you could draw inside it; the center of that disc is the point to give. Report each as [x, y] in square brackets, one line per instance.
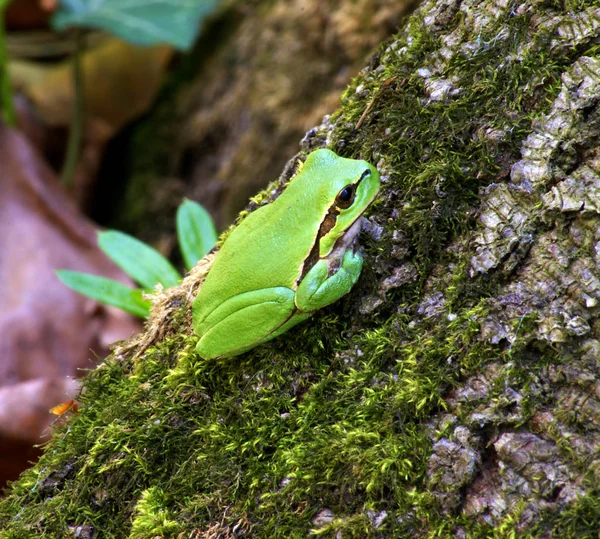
[6, 98]
[77, 114]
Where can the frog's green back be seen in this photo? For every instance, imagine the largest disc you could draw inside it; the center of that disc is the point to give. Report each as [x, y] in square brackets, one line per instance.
[269, 247]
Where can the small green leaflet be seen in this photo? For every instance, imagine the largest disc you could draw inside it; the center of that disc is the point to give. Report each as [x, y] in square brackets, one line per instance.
[144, 22]
[141, 262]
[196, 232]
[197, 235]
[106, 291]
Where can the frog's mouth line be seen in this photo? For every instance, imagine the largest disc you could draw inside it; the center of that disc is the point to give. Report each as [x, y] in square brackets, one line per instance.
[339, 248]
[346, 240]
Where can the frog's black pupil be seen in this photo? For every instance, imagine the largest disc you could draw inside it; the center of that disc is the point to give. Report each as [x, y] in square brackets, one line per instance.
[345, 195]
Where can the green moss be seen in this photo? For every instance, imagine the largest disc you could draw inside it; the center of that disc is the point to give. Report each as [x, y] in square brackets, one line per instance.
[508, 528]
[582, 519]
[571, 5]
[152, 518]
[439, 152]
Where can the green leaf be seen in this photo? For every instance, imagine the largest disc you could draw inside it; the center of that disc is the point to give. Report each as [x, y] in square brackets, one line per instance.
[196, 232]
[141, 262]
[176, 22]
[106, 291]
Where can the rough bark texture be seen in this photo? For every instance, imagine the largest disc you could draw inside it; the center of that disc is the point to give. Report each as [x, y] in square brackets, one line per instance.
[454, 392]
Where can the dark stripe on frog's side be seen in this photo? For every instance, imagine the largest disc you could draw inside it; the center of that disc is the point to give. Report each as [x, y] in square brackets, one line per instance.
[326, 226]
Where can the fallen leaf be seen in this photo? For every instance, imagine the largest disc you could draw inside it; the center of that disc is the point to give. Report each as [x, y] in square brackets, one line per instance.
[64, 407]
[49, 333]
[120, 83]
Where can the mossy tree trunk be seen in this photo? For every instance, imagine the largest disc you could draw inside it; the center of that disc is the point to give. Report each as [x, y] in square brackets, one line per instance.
[454, 392]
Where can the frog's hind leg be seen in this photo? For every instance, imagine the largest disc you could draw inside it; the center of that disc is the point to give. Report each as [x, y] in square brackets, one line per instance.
[296, 318]
[243, 321]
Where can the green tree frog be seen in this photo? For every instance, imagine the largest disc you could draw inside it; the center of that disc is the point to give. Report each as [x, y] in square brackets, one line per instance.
[287, 259]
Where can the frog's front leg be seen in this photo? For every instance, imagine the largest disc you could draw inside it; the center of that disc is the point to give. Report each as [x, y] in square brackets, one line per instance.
[318, 289]
[243, 321]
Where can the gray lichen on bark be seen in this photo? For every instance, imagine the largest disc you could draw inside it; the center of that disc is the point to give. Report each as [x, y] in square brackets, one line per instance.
[541, 232]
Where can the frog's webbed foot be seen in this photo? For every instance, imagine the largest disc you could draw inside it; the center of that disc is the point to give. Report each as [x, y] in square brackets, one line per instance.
[319, 289]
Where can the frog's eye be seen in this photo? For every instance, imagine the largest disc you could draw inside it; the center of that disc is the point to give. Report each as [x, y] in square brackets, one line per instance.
[345, 197]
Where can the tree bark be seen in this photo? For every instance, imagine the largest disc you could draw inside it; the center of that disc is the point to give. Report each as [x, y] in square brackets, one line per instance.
[454, 392]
